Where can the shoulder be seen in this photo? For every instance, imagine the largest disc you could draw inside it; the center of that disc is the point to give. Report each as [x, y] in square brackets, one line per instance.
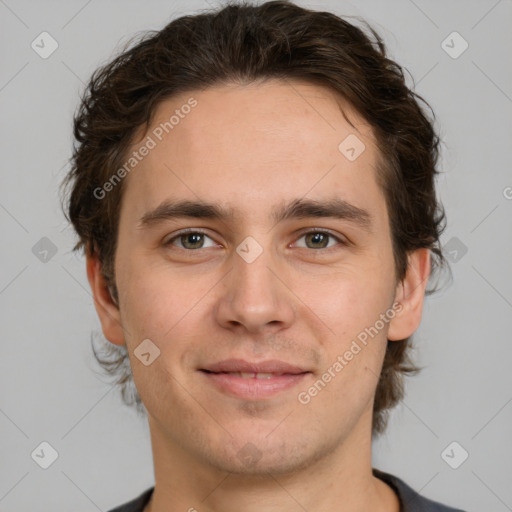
[136, 505]
[410, 500]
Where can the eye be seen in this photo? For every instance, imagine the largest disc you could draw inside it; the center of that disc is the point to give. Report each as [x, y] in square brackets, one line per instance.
[320, 240]
[193, 239]
[190, 240]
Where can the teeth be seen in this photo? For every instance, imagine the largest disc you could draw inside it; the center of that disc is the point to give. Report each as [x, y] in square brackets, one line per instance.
[247, 375]
[264, 375]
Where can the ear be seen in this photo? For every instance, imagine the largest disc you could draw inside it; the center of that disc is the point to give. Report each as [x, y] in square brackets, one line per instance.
[107, 309]
[410, 293]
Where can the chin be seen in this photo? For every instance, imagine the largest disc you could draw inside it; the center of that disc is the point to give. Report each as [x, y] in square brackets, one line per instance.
[260, 457]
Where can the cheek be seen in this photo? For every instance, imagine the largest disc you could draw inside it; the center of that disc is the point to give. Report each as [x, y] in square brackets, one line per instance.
[162, 309]
[165, 306]
[351, 306]
[354, 349]
[349, 301]
[151, 303]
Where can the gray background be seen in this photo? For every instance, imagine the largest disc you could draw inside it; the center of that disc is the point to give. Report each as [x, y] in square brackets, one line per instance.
[50, 388]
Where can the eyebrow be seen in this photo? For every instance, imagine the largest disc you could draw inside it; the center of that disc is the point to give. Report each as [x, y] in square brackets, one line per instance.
[298, 209]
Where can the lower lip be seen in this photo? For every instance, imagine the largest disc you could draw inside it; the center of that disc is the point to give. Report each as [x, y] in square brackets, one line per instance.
[253, 389]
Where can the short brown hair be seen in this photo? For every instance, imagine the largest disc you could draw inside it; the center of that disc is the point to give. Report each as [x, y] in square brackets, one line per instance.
[242, 43]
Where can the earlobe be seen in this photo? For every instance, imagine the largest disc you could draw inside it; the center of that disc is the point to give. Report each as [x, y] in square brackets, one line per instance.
[107, 309]
[410, 293]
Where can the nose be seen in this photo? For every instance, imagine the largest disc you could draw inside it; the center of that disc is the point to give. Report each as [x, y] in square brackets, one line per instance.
[255, 297]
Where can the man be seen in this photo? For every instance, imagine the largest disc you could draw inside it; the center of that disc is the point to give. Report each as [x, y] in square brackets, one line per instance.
[254, 191]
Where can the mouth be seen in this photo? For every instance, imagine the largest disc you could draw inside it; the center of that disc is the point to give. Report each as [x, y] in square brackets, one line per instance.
[253, 381]
[251, 375]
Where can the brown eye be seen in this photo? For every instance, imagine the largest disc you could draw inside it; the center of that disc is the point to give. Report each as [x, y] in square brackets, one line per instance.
[190, 240]
[320, 240]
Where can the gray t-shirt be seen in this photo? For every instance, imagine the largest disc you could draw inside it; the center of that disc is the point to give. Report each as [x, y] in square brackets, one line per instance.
[410, 500]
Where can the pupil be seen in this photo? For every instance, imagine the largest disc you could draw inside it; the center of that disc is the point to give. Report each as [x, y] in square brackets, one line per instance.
[319, 237]
[193, 239]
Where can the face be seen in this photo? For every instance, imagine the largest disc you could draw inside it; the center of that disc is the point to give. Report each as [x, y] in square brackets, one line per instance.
[258, 297]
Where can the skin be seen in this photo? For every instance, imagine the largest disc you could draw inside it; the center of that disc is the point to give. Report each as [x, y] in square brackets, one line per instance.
[254, 147]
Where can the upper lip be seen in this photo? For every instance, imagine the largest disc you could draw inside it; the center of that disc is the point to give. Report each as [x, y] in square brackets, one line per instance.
[239, 365]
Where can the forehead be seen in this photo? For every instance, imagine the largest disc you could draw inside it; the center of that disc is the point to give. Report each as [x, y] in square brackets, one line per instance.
[259, 143]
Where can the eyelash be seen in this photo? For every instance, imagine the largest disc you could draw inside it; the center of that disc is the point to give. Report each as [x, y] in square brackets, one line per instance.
[311, 231]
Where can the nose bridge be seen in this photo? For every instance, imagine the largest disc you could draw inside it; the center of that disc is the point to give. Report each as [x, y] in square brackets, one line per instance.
[253, 282]
[253, 296]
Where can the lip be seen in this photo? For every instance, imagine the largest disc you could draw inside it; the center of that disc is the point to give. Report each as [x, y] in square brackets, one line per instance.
[225, 376]
[240, 365]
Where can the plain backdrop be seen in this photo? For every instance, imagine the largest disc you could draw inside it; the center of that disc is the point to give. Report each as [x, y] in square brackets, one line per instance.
[52, 391]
